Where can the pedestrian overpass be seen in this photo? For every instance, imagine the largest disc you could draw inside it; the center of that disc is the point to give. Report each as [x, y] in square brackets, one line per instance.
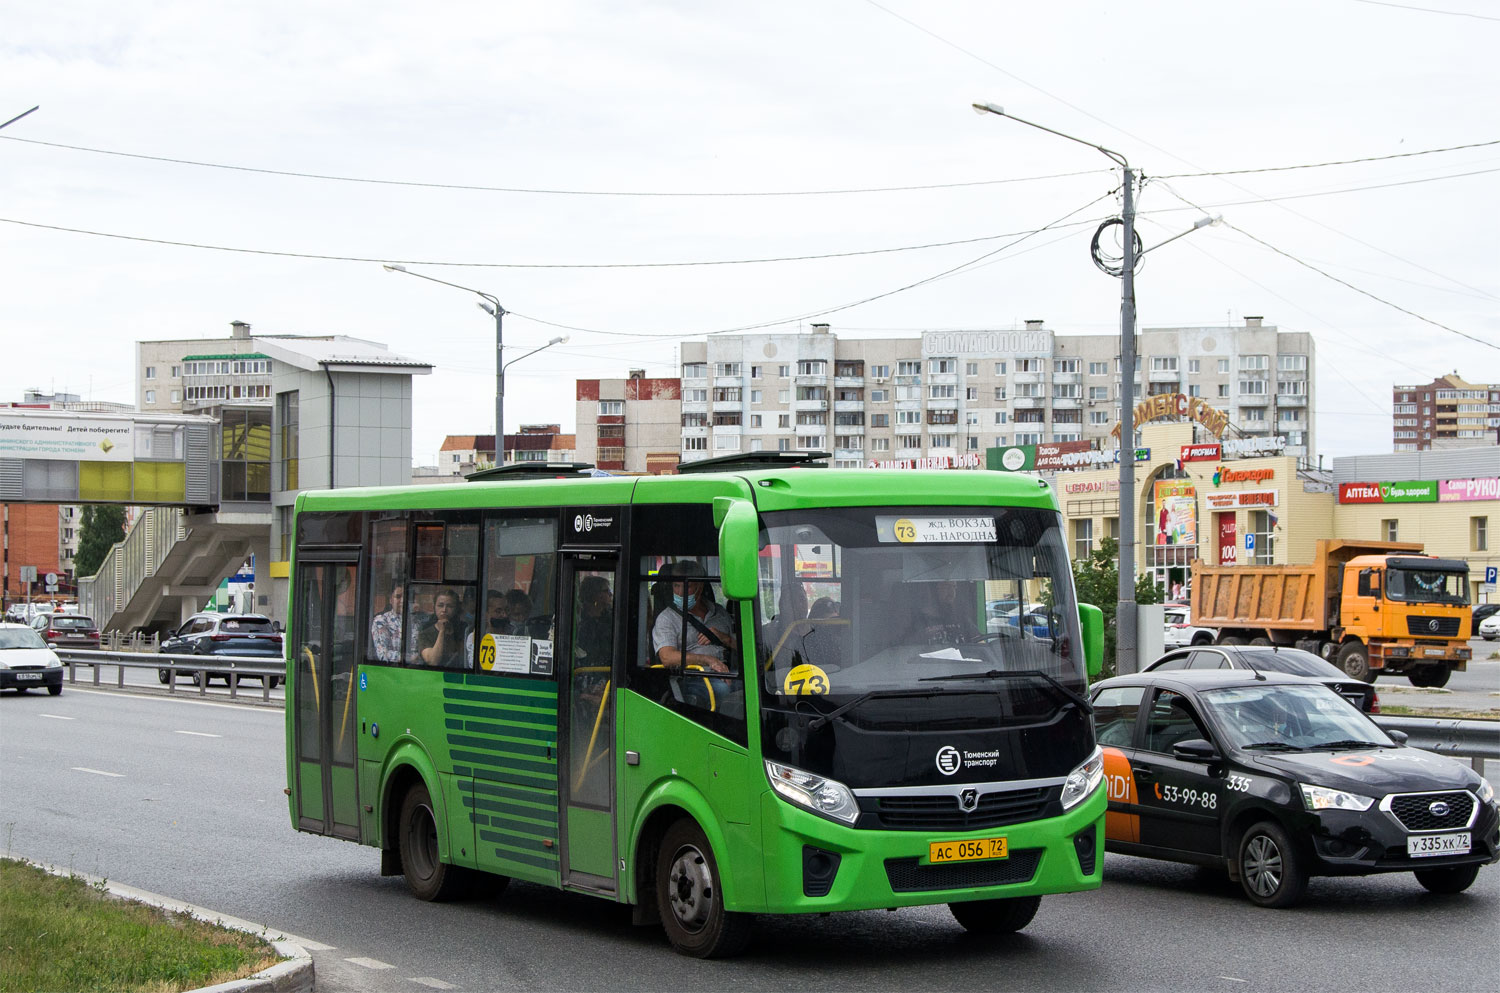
[203, 483]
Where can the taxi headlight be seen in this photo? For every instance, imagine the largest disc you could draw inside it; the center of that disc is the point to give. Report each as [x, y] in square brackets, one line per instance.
[1083, 780]
[1486, 791]
[822, 796]
[1323, 798]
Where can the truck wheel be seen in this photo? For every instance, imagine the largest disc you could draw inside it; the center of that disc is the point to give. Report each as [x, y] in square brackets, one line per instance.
[1270, 868]
[690, 899]
[1354, 659]
[1429, 675]
[1453, 879]
[1231, 639]
[1261, 642]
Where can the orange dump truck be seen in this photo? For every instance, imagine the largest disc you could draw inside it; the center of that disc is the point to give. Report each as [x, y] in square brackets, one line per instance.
[1368, 606]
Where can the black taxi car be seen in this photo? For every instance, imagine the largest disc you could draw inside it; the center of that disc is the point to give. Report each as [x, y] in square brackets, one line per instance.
[1277, 778]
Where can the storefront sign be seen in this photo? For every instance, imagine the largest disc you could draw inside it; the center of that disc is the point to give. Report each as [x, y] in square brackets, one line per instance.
[1226, 539]
[1057, 456]
[987, 344]
[1468, 489]
[1176, 513]
[1095, 486]
[968, 460]
[1223, 475]
[1201, 453]
[1165, 405]
[1405, 491]
[1247, 447]
[1245, 498]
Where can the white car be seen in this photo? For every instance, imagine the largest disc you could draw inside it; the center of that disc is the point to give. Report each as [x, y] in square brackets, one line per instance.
[1489, 628]
[1180, 631]
[26, 662]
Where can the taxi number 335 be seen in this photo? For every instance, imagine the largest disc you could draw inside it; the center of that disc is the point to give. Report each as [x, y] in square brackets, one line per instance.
[1206, 799]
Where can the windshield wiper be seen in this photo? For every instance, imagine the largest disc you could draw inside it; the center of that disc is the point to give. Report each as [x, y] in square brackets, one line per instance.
[1348, 743]
[1077, 698]
[838, 712]
[1274, 746]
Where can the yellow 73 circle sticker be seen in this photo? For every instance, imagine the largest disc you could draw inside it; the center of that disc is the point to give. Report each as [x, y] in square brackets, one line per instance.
[805, 680]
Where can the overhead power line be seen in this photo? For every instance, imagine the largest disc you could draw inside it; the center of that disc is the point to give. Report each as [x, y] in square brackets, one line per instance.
[1428, 10]
[327, 177]
[1338, 162]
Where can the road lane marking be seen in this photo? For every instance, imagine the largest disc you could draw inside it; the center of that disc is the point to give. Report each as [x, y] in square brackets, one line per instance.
[199, 734]
[370, 963]
[428, 981]
[97, 772]
[58, 717]
[1234, 979]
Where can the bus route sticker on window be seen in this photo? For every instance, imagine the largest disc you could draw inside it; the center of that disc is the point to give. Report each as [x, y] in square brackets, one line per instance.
[934, 530]
[512, 653]
[805, 680]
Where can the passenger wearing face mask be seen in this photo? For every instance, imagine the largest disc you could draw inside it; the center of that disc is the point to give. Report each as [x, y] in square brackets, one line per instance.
[693, 630]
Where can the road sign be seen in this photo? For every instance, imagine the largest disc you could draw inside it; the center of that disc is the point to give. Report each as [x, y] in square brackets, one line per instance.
[51, 579]
[1489, 574]
[28, 573]
[1249, 542]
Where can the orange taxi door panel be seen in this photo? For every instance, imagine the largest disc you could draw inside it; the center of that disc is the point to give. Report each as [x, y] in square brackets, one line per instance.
[1120, 782]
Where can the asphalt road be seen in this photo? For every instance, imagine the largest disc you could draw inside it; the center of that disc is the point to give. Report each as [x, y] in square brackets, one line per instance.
[184, 798]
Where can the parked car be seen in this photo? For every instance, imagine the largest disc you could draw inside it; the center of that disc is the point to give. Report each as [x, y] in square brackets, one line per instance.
[1262, 659]
[1483, 610]
[26, 661]
[67, 630]
[1489, 628]
[1276, 779]
[22, 613]
[1180, 631]
[245, 635]
[1004, 616]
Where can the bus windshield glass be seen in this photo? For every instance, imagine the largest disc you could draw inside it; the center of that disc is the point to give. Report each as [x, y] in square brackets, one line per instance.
[1427, 586]
[906, 619]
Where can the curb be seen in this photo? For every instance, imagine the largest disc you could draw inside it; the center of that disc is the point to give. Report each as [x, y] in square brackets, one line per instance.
[294, 975]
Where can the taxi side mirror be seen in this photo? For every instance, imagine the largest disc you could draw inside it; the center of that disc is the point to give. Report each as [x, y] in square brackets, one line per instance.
[1195, 750]
[1399, 737]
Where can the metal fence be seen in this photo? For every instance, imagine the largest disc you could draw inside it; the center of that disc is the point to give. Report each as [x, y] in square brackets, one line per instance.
[1478, 741]
[197, 668]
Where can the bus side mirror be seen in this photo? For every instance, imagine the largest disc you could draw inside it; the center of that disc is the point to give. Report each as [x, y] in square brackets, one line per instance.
[739, 537]
[1091, 620]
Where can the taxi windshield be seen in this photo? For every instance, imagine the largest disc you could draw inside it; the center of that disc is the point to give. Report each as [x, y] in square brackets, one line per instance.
[1284, 717]
[929, 613]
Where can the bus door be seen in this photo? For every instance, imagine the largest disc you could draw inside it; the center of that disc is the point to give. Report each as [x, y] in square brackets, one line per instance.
[323, 652]
[588, 645]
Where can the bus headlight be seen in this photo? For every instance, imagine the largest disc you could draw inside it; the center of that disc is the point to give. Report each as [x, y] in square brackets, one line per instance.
[822, 796]
[1083, 780]
[1323, 798]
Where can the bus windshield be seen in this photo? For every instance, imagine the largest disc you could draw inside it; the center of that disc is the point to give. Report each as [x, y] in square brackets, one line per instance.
[906, 619]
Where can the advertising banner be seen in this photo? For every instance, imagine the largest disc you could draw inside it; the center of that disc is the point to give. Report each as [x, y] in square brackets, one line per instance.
[1359, 493]
[1409, 491]
[70, 438]
[1226, 539]
[1469, 489]
[1201, 453]
[1176, 512]
[1246, 498]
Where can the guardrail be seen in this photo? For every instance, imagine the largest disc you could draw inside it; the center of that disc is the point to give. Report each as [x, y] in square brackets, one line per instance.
[1478, 741]
[197, 667]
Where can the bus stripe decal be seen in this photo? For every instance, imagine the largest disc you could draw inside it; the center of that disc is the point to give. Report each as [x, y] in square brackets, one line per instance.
[529, 860]
[505, 746]
[510, 731]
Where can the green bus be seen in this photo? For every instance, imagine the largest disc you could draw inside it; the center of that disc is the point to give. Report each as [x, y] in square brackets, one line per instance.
[760, 686]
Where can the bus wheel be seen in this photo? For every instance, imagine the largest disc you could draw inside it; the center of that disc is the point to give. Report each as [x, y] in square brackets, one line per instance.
[427, 875]
[1452, 879]
[995, 916]
[1354, 659]
[1270, 867]
[690, 900]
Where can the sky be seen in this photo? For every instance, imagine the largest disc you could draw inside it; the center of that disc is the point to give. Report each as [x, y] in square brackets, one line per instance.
[258, 162]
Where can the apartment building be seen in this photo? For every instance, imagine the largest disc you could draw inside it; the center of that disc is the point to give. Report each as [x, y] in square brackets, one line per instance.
[462, 454]
[953, 394]
[630, 425]
[1445, 413]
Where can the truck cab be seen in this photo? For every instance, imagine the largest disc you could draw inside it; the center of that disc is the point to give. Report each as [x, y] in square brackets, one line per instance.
[1403, 614]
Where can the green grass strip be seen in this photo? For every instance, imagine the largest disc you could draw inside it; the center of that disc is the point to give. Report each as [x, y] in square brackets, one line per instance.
[61, 933]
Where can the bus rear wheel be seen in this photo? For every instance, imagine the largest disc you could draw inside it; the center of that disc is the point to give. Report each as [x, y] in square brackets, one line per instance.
[690, 898]
[427, 875]
[995, 916]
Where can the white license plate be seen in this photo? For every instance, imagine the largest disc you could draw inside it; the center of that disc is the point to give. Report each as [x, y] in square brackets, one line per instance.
[1424, 845]
[1434, 651]
[24, 676]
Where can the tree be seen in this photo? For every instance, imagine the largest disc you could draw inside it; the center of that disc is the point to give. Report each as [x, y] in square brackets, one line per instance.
[1097, 579]
[102, 528]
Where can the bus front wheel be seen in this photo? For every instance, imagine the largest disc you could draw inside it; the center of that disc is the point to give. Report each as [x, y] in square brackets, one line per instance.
[690, 899]
[995, 916]
[427, 875]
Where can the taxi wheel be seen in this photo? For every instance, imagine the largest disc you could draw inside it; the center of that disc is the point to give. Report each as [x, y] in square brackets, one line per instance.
[1270, 867]
[1453, 879]
[427, 875]
[1354, 659]
[690, 899]
[995, 916]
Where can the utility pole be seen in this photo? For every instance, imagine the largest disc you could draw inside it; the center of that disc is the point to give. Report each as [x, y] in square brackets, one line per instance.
[1125, 609]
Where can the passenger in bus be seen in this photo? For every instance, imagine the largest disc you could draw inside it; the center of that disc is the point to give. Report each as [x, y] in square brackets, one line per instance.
[824, 606]
[385, 629]
[518, 608]
[596, 608]
[441, 640]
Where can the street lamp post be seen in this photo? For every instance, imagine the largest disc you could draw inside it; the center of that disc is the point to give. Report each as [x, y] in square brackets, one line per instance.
[500, 387]
[492, 307]
[1125, 619]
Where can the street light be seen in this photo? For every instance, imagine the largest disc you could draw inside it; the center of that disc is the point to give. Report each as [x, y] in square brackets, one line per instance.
[493, 308]
[500, 439]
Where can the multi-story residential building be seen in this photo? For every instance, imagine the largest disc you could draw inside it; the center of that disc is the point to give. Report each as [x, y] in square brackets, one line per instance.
[462, 454]
[1445, 413]
[630, 425]
[953, 394]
